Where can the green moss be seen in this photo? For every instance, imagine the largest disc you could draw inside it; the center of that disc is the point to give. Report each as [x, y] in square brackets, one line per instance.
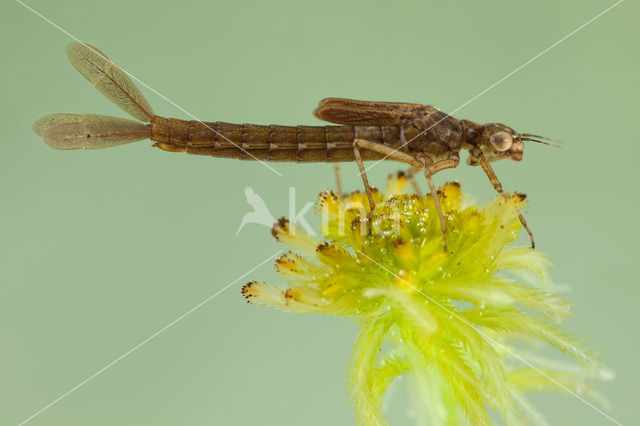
[462, 323]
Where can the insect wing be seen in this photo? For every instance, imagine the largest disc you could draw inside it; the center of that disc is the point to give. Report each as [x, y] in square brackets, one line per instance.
[88, 131]
[363, 113]
[109, 79]
[402, 106]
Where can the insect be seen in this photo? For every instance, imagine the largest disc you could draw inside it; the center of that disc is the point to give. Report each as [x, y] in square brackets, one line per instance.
[419, 135]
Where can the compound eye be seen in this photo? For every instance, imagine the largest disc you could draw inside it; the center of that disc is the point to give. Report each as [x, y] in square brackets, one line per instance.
[501, 141]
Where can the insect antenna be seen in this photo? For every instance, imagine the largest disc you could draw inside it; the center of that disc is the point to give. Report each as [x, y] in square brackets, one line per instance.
[529, 135]
[542, 142]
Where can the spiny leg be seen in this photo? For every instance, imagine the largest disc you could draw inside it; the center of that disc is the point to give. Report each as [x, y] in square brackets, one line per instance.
[449, 163]
[365, 181]
[336, 172]
[411, 177]
[434, 194]
[498, 187]
[363, 174]
[389, 152]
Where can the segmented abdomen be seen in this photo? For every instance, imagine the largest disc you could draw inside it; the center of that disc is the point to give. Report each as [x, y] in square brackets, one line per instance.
[269, 143]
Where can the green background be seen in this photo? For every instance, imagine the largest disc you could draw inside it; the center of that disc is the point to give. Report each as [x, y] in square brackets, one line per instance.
[101, 249]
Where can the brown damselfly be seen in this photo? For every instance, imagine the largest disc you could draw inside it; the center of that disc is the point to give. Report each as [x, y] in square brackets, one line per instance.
[419, 135]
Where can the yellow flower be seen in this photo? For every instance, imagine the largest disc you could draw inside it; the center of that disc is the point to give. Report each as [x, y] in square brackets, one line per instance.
[464, 324]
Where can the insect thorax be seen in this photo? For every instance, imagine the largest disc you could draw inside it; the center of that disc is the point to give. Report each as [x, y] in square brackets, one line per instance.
[433, 133]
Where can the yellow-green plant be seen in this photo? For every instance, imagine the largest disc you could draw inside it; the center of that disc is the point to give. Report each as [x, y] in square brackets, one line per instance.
[463, 324]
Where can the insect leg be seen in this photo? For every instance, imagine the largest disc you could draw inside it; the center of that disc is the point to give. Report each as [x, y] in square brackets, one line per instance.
[410, 176]
[449, 163]
[389, 152]
[336, 172]
[363, 174]
[394, 154]
[434, 193]
[498, 187]
[384, 150]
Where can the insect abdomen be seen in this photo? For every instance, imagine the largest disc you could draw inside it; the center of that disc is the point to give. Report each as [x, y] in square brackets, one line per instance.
[268, 143]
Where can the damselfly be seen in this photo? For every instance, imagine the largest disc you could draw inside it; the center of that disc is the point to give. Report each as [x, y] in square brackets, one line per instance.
[419, 135]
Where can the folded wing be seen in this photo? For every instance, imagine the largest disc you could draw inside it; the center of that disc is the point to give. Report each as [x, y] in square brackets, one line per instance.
[363, 113]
